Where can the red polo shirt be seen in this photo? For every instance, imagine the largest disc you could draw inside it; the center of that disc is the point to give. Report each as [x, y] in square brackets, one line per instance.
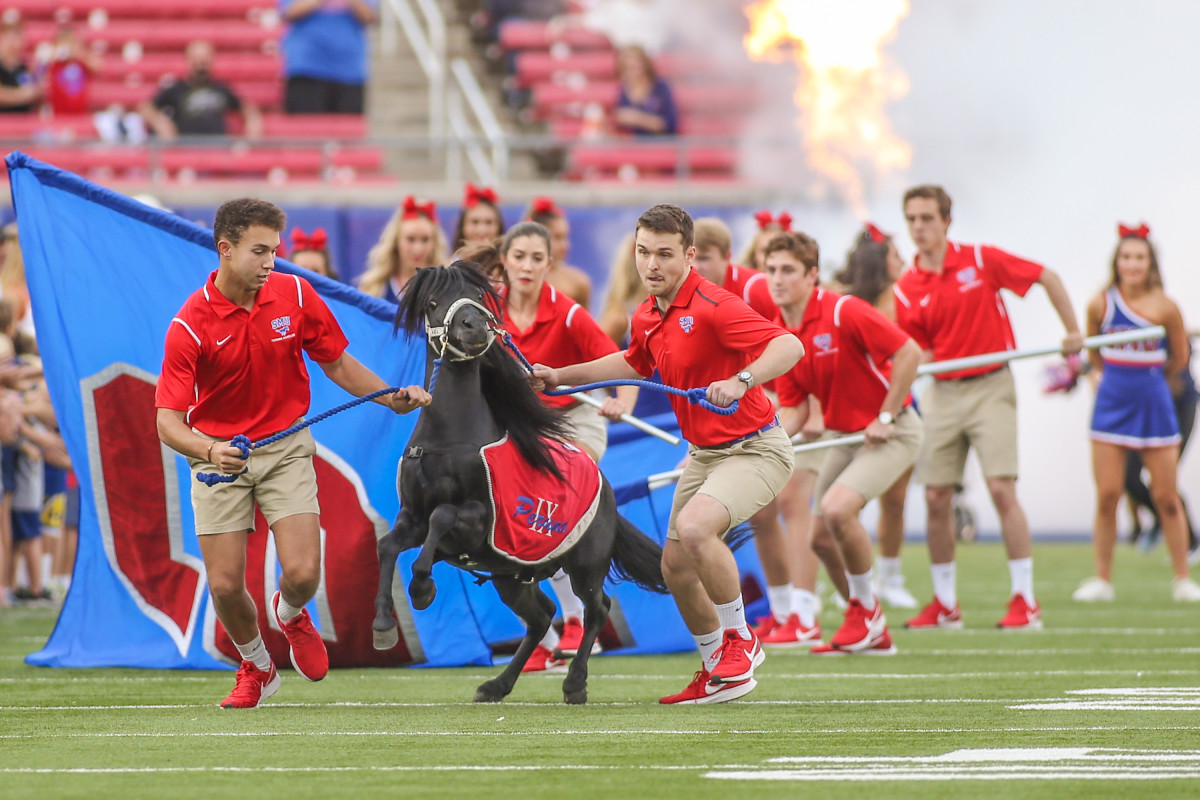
[959, 311]
[705, 335]
[562, 333]
[848, 345]
[237, 371]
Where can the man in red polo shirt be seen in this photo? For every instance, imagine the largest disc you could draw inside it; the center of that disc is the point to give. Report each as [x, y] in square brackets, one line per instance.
[860, 367]
[234, 364]
[698, 335]
[950, 303]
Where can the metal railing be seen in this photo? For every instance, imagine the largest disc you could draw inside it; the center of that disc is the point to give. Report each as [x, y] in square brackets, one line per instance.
[483, 143]
[427, 38]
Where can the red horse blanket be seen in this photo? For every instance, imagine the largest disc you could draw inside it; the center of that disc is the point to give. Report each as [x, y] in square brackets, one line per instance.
[536, 516]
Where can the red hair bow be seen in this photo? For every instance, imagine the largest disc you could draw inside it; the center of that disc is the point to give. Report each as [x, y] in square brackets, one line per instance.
[303, 241]
[1140, 232]
[544, 205]
[765, 220]
[876, 235]
[477, 193]
[412, 209]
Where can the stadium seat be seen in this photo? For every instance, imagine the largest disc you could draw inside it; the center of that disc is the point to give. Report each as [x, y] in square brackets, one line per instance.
[229, 67]
[137, 9]
[25, 127]
[700, 125]
[88, 161]
[541, 66]
[526, 34]
[267, 94]
[169, 34]
[588, 160]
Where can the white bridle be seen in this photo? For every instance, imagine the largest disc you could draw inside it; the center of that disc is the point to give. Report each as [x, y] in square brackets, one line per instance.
[439, 336]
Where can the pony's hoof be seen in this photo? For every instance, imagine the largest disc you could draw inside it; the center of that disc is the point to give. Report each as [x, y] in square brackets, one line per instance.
[488, 693]
[386, 640]
[576, 698]
[422, 592]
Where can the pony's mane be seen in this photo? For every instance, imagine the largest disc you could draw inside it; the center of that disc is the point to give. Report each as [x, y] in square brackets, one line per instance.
[515, 406]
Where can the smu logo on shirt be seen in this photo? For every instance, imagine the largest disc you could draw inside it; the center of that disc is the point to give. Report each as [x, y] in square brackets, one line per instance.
[968, 277]
[687, 323]
[823, 341]
[539, 515]
[283, 327]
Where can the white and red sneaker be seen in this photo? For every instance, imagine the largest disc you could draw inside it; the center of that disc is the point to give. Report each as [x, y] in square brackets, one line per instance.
[309, 656]
[936, 615]
[737, 658]
[1021, 616]
[765, 626]
[572, 635]
[883, 646]
[861, 628]
[542, 660]
[702, 690]
[792, 634]
[252, 686]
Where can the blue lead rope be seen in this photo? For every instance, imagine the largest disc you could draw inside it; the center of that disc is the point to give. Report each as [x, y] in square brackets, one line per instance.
[697, 396]
[244, 444]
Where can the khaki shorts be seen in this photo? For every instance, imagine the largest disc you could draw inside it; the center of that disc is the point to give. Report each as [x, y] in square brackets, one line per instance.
[590, 429]
[281, 479]
[871, 471]
[812, 460]
[743, 478]
[976, 412]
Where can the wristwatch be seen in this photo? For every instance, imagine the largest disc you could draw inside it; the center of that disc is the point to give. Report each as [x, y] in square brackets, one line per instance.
[745, 377]
[886, 417]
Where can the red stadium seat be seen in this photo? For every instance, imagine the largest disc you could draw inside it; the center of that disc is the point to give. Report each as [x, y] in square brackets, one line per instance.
[137, 9]
[169, 34]
[706, 126]
[540, 66]
[314, 126]
[666, 158]
[552, 100]
[265, 94]
[88, 161]
[526, 34]
[24, 127]
[236, 66]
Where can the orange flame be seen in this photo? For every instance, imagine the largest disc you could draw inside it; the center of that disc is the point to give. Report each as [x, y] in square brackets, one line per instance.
[845, 83]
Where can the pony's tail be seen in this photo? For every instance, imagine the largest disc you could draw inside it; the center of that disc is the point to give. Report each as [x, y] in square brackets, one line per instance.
[738, 535]
[636, 557]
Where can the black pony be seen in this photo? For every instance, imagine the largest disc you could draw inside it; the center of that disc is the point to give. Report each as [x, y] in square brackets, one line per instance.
[480, 393]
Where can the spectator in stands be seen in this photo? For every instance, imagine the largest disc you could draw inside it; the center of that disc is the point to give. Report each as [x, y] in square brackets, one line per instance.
[311, 251]
[768, 226]
[198, 104]
[69, 73]
[479, 219]
[19, 91]
[325, 55]
[645, 106]
[412, 240]
[571, 281]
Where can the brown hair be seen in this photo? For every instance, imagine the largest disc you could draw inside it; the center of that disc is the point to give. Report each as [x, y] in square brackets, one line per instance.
[1153, 278]
[866, 272]
[485, 255]
[526, 228]
[712, 232]
[802, 246]
[234, 217]
[930, 191]
[667, 218]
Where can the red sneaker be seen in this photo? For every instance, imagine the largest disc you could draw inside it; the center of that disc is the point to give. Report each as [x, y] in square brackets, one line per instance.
[765, 626]
[737, 658]
[1021, 616]
[701, 690]
[792, 634]
[936, 615]
[308, 650]
[861, 628]
[572, 635]
[883, 646]
[542, 660]
[252, 687]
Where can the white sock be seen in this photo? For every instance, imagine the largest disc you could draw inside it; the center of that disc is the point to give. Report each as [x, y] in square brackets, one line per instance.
[804, 606]
[1021, 570]
[255, 652]
[945, 587]
[550, 640]
[780, 598]
[861, 588]
[709, 644]
[571, 605]
[733, 617]
[287, 612]
[888, 568]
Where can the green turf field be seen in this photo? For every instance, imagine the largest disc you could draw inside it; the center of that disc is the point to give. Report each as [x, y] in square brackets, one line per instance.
[1103, 703]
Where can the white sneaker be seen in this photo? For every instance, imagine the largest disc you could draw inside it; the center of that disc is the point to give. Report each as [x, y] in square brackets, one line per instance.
[1185, 590]
[1094, 590]
[892, 592]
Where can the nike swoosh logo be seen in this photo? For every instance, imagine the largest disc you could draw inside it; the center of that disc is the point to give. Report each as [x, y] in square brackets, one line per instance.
[223, 341]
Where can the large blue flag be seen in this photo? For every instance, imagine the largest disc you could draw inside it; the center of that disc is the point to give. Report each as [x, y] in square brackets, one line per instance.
[106, 274]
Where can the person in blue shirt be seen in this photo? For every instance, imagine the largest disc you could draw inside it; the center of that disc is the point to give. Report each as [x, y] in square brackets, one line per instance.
[646, 106]
[325, 54]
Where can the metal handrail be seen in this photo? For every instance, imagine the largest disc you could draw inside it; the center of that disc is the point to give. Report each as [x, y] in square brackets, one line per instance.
[428, 43]
[466, 93]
